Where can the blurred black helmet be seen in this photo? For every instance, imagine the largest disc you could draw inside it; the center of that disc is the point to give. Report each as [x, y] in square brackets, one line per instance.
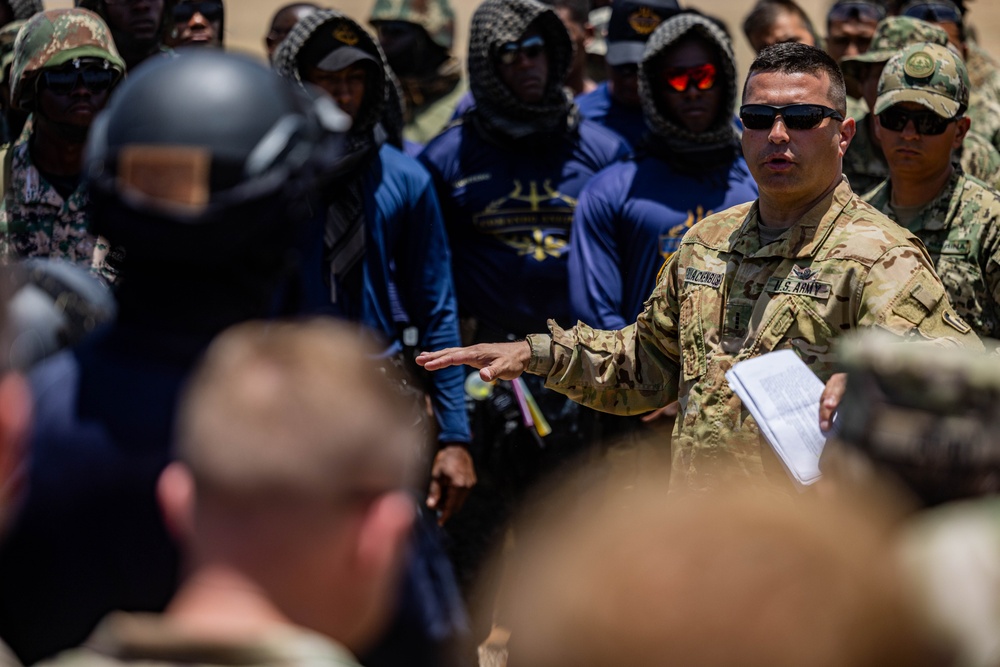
[207, 159]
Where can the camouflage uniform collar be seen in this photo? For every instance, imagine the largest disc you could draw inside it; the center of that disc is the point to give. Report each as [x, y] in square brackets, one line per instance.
[930, 217]
[803, 238]
[27, 182]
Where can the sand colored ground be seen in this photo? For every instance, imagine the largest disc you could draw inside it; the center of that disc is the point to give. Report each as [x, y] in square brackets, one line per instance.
[247, 20]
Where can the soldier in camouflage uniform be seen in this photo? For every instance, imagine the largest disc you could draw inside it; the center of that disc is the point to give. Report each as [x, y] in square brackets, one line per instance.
[65, 65]
[864, 164]
[956, 216]
[795, 270]
[950, 17]
[417, 37]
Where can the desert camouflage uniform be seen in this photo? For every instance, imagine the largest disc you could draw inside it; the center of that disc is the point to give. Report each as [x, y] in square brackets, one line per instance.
[151, 641]
[35, 221]
[961, 230]
[722, 298]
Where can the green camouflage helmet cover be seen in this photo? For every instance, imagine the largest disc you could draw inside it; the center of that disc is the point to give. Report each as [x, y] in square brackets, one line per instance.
[892, 35]
[435, 16]
[52, 39]
[7, 36]
[930, 75]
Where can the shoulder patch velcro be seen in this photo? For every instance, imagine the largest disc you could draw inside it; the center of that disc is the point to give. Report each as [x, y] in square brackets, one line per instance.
[955, 322]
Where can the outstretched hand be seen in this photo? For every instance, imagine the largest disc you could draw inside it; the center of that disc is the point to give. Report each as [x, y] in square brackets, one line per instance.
[496, 361]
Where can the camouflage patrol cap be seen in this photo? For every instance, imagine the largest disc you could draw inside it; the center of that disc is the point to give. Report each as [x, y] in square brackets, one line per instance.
[928, 74]
[54, 38]
[434, 16]
[930, 415]
[8, 34]
[891, 36]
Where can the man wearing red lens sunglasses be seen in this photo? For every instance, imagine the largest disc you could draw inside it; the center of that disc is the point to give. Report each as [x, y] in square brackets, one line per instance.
[632, 216]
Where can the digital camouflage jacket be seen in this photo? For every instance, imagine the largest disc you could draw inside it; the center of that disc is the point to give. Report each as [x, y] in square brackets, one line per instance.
[961, 230]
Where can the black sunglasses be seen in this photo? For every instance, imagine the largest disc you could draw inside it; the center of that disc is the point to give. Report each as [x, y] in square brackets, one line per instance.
[795, 116]
[211, 10]
[531, 47]
[927, 122]
[855, 10]
[934, 12]
[65, 81]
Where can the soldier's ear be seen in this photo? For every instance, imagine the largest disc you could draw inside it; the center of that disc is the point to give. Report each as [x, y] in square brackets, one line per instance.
[848, 128]
[962, 126]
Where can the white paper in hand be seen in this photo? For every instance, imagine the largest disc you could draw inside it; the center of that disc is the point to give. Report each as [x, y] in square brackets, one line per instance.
[783, 396]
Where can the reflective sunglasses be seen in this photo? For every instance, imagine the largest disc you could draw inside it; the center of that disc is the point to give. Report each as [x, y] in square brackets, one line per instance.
[531, 47]
[794, 116]
[680, 78]
[211, 10]
[856, 10]
[926, 122]
[65, 81]
[934, 12]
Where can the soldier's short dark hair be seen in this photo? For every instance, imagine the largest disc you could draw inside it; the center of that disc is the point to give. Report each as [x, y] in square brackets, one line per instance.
[766, 12]
[796, 58]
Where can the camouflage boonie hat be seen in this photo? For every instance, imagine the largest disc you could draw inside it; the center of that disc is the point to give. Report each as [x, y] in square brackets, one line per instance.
[928, 74]
[52, 39]
[435, 16]
[8, 34]
[931, 415]
[892, 35]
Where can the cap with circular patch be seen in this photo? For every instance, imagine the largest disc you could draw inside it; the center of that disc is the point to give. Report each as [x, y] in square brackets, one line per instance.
[930, 75]
[892, 35]
[630, 26]
[333, 48]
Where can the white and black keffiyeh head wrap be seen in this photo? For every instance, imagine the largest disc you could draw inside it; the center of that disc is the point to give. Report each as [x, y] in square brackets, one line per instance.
[721, 141]
[497, 22]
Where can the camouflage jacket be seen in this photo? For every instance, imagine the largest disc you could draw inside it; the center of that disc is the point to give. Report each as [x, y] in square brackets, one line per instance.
[983, 73]
[152, 640]
[722, 298]
[865, 166]
[961, 230]
[35, 221]
[985, 117]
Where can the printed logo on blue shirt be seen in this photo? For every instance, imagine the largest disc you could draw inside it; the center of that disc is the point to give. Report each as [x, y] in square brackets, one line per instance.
[532, 220]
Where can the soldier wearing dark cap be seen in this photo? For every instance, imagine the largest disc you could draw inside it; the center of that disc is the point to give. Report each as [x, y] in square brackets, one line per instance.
[65, 65]
[615, 103]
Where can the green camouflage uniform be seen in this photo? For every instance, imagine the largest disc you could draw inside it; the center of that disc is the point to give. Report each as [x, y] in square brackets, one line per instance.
[431, 100]
[983, 72]
[722, 298]
[960, 225]
[153, 641]
[961, 230]
[35, 221]
[864, 164]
